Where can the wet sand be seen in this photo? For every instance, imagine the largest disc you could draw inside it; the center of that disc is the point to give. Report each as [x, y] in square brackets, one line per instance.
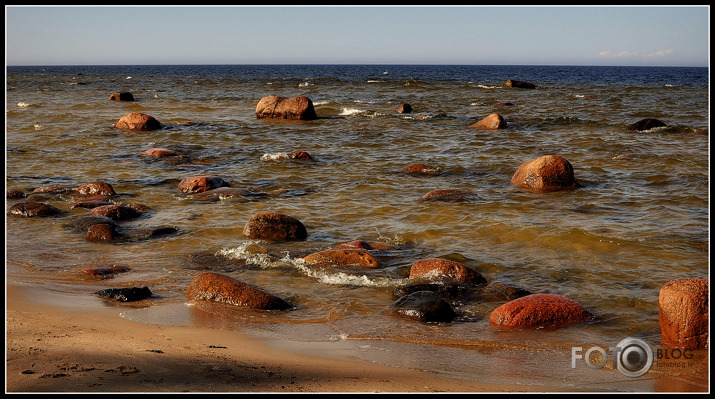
[56, 349]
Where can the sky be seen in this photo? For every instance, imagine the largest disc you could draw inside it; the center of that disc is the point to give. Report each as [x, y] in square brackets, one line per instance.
[459, 35]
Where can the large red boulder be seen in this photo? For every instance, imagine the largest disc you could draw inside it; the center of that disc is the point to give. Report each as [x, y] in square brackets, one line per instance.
[221, 288]
[445, 269]
[355, 258]
[138, 121]
[539, 310]
[274, 226]
[684, 313]
[286, 108]
[546, 173]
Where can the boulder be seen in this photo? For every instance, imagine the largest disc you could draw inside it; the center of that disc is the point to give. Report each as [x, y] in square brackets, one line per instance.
[115, 212]
[546, 173]
[684, 313]
[343, 258]
[424, 306]
[198, 184]
[274, 226]
[519, 84]
[221, 288]
[419, 168]
[301, 156]
[451, 291]
[122, 96]
[101, 232]
[646, 124]
[95, 188]
[449, 195]
[85, 222]
[299, 108]
[539, 310]
[498, 291]
[438, 269]
[105, 271]
[138, 121]
[404, 109]
[126, 294]
[32, 209]
[491, 122]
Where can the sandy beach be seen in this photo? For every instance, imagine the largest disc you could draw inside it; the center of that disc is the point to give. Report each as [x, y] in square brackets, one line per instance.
[55, 349]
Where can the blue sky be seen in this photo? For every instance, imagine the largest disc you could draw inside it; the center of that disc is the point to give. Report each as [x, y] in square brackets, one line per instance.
[478, 35]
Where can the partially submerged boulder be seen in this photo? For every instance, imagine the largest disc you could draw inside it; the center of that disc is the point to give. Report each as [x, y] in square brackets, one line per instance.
[298, 108]
[221, 288]
[491, 122]
[274, 226]
[539, 310]
[138, 121]
[546, 173]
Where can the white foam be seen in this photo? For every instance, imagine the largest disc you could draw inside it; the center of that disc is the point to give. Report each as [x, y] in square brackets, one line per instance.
[23, 104]
[278, 156]
[351, 111]
[488, 87]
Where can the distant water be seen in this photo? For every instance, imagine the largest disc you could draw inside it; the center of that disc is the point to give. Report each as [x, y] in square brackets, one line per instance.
[641, 219]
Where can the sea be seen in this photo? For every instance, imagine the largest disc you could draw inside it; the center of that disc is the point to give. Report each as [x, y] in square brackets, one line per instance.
[640, 219]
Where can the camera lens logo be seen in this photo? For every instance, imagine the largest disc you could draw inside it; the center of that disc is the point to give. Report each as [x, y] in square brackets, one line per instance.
[634, 357]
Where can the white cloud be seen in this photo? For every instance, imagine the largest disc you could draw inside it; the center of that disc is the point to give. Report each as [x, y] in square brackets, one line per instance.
[626, 53]
[661, 53]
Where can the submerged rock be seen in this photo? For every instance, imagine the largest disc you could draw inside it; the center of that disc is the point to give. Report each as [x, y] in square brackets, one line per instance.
[449, 195]
[122, 96]
[197, 184]
[424, 306]
[491, 122]
[105, 271]
[138, 121]
[449, 290]
[85, 222]
[116, 212]
[646, 124]
[539, 310]
[546, 173]
[343, 258]
[684, 313]
[438, 269]
[221, 288]
[404, 109]
[33, 209]
[520, 84]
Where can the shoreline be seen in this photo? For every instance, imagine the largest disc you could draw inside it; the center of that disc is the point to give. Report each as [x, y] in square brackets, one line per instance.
[55, 349]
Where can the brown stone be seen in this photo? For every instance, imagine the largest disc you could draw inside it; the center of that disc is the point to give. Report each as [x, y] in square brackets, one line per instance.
[684, 313]
[160, 152]
[95, 188]
[301, 156]
[15, 194]
[419, 168]
[404, 109]
[92, 202]
[116, 212]
[520, 84]
[197, 184]
[138, 121]
[221, 288]
[547, 173]
[56, 189]
[32, 209]
[298, 108]
[498, 291]
[105, 271]
[122, 96]
[449, 195]
[101, 232]
[539, 310]
[343, 258]
[274, 226]
[445, 269]
[491, 122]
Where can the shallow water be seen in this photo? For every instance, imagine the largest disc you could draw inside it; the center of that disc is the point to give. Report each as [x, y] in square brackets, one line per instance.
[641, 219]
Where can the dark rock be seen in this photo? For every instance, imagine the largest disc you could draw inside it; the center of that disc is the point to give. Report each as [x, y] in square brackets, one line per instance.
[424, 306]
[85, 222]
[122, 96]
[274, 226]
[33, 209]
[539, 310]
[438, 269]
[138, 121]
[519, 84]
[126, 294]
[116, 212]
[646, 124]
[684, 313]
[221, 288]
[15, 194]
[366, 245]
[502, 291]
[101, 232]
[301, 156]
[105, 271]
[404, 109]
[449, 290]
[547, 173]
[299, 108]
[95, 188]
